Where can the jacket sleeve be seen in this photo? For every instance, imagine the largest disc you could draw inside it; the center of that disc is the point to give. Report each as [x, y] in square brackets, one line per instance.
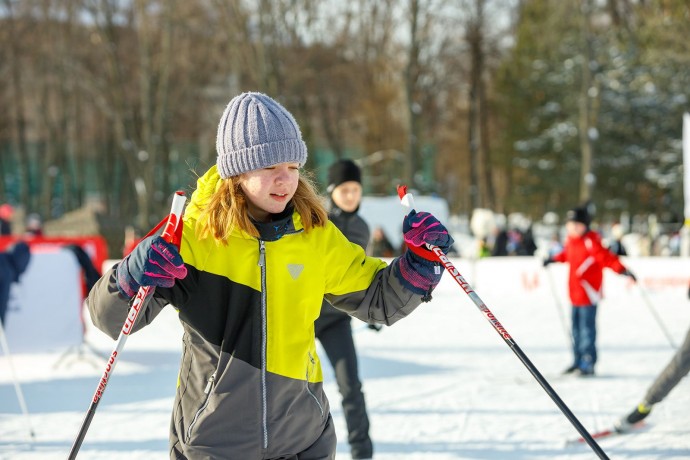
[365, 287]
[605, 257]
[560, 257]
[109, 309]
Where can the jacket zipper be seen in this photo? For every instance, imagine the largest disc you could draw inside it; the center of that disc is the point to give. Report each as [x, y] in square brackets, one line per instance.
[264, 405]
[264, 320]
[313, 364]
[207, 392]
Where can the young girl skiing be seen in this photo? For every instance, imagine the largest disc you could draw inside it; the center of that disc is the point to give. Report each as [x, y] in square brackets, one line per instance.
[258, 254]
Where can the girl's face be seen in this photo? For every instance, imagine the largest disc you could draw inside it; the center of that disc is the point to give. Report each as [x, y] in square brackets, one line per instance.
[347, 195]
[269, 190]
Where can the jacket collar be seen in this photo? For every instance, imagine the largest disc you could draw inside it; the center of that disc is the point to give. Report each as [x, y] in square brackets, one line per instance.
[337, 212]
[279, 225]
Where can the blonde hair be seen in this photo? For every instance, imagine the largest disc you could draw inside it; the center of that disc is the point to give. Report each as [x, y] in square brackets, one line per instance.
[227, 209]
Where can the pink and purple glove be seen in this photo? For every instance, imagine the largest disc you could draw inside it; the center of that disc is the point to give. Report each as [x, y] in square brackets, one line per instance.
[421, 228]
[154, 262]
[419, 269]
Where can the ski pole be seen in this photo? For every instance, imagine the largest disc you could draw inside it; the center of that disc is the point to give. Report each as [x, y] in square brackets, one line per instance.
[15, 380]
[139, 303]
[648, 304]
[407, 200]
[559, 306]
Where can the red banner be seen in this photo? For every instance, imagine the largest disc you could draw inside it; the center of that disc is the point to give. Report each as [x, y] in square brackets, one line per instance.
[95, 246]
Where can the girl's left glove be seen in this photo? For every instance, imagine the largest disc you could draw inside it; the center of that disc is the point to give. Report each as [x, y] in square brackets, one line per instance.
[419, 269]
[154, 262]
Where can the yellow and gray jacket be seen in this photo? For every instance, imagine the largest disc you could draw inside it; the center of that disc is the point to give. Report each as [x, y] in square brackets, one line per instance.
[250, 381]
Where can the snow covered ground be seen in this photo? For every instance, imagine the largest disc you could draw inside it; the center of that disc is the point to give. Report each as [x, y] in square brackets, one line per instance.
[440, 384]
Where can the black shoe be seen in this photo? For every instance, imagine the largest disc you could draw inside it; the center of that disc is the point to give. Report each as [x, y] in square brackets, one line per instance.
[362, 450]
[570, 370]
[636, 416]
[584, 372]
[641, 411]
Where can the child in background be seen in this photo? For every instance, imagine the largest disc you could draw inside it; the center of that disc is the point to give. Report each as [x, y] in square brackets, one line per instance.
[333, 327]
[257, 257]
[587, 258]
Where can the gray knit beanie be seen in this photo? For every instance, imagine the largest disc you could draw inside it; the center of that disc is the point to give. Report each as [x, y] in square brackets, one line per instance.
[257, 132]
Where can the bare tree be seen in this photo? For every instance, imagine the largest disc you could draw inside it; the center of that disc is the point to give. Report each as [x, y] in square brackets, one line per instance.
[377, 119]
[138, 108]
[479, 135]
[482, 35]
[587, 104]
[14, 38]
[412, 75]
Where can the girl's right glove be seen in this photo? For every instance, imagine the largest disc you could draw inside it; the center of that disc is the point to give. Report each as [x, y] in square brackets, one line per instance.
[419, 269]
[153, 262]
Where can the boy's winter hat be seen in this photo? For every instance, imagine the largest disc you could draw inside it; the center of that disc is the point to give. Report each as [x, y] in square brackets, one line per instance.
[257, 132]
[343, 171]
[578, 215]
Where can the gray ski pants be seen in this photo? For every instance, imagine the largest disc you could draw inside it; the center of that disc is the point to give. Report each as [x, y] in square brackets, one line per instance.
[675, 370]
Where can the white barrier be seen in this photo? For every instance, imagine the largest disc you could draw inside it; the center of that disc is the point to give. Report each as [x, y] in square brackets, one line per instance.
[521, 275]
[44, 312]
[46, 306]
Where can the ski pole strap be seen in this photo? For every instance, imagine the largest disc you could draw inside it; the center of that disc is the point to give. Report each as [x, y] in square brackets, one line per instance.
[425, 252]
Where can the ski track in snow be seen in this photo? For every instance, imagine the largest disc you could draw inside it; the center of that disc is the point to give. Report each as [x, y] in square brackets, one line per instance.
[439, 385]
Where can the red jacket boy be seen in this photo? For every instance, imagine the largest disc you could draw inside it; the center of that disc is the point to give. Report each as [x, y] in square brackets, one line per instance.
[587, 258]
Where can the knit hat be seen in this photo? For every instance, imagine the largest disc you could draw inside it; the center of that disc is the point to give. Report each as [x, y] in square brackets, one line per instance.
[256, 132]
[578, 215]
[343, 171]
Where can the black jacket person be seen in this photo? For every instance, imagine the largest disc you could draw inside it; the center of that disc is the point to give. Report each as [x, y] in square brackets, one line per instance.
[333, 326]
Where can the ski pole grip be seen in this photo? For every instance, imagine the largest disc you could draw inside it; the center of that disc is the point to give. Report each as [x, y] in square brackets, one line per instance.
[175, 217]
[407, 200]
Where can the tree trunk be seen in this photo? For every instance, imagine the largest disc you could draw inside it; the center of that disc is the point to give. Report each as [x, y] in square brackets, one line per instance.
[18, 102]
[473, 124]
[413, 109]
[587, 93]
